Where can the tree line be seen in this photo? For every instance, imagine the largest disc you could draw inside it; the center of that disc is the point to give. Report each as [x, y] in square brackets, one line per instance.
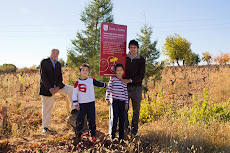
[85, 47]
[178, 49]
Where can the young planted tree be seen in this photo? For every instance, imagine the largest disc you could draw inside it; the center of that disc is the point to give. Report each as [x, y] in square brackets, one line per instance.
[222, 59]
[86, 46]
[150, 54]
[226, 58]
[207, 57]
[177, 49]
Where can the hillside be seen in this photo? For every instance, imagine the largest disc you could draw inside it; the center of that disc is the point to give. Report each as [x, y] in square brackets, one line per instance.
[178, 116]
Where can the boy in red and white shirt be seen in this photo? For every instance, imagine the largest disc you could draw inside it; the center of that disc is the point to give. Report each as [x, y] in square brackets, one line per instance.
[118, 91]
[84, 101]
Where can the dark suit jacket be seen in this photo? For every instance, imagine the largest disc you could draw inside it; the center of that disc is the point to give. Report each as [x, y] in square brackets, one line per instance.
[49, 76]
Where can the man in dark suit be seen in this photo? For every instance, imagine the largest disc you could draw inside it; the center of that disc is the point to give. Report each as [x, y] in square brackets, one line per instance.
[50, 84]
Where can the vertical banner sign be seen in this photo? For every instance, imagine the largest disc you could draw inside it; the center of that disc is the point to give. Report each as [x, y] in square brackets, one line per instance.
[113, 47]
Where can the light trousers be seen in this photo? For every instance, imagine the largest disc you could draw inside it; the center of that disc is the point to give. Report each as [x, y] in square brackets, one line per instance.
[47, 104]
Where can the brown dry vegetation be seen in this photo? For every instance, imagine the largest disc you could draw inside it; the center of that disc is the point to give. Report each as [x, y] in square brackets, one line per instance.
[164, 132]
[181, 83]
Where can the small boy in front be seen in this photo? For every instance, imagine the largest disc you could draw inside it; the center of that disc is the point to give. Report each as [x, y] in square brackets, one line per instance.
[119, 93]
[84, 101]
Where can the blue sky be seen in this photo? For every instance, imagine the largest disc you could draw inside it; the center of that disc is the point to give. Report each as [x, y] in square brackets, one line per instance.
[29, 29]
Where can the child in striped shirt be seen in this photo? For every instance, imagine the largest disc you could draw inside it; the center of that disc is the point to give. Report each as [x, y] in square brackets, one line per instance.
[118, 91]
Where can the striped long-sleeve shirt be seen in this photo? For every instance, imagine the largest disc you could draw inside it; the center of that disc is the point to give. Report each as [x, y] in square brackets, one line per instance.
[117, 89]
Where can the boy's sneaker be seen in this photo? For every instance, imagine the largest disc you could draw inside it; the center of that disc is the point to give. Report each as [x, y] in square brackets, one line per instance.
[93, 141]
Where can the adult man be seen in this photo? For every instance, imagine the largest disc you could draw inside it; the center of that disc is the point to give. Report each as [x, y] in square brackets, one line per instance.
[135, 72]
[50, 84]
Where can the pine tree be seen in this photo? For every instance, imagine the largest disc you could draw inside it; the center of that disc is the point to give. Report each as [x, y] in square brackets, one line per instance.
[150, 54]
[86, 46]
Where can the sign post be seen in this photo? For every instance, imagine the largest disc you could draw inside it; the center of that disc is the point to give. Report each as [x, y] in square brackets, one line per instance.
[113, 51]
[113, 47]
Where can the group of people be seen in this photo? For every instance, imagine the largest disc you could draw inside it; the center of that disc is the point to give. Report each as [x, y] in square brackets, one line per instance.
[82, 98]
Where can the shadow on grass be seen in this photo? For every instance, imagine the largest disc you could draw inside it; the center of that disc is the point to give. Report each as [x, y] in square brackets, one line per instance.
[161, 142]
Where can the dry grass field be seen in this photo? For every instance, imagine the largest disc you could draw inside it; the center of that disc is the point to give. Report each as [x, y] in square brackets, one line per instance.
[181, 83]
[178, 116]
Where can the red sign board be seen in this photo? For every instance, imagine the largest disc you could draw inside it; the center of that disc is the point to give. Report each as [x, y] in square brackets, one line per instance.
[113, 47]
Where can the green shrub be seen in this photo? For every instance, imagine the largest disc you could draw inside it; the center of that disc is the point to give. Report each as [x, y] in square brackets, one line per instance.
[152, 110]
[206, 111]
[8, 68]
[200, 112]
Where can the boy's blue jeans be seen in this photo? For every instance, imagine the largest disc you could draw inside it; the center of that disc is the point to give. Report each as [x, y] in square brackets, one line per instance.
[89, 110]
[118, 112]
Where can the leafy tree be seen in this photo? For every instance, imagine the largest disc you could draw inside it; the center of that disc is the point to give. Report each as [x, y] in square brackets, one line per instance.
[86, 46]
[226, 58]
[207, 57]
[8, 68]
[150, 53]
[193, 59]
[177, 48]
[222, 59]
